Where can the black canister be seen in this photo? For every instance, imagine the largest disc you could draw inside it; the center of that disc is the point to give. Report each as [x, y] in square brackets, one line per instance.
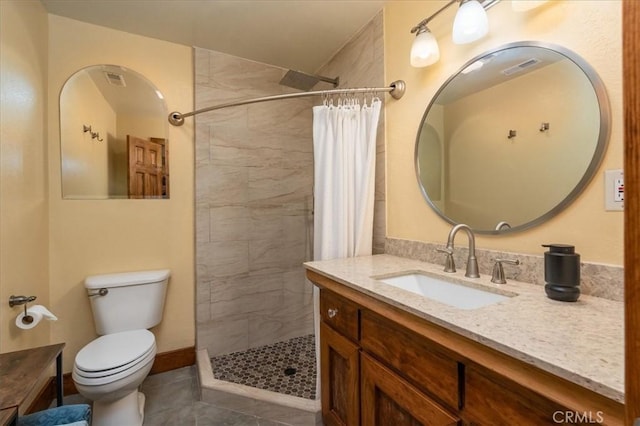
[562, 272]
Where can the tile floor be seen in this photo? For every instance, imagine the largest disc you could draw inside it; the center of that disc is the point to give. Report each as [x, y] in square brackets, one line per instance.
[266, 367]
[173, 400]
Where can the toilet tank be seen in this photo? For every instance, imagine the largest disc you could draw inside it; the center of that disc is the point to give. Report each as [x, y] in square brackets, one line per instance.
[127, 301]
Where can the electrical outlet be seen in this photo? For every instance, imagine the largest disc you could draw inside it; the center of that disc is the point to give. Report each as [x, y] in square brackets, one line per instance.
[614, 190]
[618, 190]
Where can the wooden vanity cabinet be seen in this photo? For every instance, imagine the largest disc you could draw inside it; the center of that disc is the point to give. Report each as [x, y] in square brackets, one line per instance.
[382, 366]
[358, 389]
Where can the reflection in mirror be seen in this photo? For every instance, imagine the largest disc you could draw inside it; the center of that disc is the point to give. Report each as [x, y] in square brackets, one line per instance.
[113, 136]
[512, 138]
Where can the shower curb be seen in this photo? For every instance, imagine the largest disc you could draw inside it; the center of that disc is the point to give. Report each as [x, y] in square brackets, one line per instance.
[285, 409]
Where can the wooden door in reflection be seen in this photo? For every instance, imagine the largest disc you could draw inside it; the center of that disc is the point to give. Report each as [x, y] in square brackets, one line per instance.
[148, 175]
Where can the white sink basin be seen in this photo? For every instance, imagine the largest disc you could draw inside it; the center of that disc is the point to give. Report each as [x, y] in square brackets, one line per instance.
[447, 292]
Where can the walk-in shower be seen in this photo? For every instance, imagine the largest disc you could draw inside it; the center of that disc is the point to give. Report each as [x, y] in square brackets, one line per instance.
[254, 226]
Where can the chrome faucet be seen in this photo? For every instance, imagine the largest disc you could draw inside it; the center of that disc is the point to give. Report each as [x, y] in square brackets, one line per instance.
[472, 261]
[497, 276]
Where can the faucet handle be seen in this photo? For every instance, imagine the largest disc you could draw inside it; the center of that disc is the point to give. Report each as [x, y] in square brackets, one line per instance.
[449, 265]
[498, 272]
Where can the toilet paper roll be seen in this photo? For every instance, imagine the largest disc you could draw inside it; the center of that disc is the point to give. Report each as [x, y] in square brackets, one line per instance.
[37, 312]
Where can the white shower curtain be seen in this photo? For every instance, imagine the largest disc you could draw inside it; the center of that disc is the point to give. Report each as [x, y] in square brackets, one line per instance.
[344, 150]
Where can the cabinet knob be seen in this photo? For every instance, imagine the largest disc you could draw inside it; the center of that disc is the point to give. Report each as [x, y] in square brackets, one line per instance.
[332, 312]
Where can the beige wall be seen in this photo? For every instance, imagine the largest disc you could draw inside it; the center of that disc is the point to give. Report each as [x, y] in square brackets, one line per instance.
[558, 22]
[104, 236]
[23, 167]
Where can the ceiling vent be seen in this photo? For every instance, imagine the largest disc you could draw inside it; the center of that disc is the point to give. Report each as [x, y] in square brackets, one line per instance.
[521, 66]
[115, 79]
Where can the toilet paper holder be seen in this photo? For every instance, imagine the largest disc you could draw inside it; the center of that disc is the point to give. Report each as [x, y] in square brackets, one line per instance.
[22, 300]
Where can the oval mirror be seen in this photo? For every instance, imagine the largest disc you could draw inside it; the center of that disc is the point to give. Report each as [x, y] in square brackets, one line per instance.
[113, 135]
[512, 138]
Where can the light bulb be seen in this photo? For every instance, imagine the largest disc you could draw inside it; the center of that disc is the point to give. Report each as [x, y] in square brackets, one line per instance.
[471, 23]
[424, 50]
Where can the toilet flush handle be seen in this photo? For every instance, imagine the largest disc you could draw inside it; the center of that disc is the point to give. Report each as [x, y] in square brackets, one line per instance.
[100, 292]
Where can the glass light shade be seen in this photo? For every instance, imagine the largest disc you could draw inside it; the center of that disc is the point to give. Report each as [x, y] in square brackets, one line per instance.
[525, 5]
[471, 23]
[424, 50]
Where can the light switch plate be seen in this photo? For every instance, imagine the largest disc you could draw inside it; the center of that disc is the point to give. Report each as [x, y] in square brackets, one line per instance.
[614, 190]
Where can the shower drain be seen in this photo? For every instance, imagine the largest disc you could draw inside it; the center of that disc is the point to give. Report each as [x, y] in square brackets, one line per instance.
[290, 371]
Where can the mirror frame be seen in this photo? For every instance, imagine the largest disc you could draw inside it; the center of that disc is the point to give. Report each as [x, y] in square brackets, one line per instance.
[596, 160]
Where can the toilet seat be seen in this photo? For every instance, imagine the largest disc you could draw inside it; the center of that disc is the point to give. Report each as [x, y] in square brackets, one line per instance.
[80, 379]
[114, 356]
[104, 373]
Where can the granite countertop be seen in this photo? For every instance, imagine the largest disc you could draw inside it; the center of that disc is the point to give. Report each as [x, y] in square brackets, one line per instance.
[582, 342]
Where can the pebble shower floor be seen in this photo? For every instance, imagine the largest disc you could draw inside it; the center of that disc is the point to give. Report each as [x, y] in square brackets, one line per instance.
[264, 367]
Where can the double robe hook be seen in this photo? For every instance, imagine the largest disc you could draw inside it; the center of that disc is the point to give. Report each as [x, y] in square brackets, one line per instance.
[94, 135]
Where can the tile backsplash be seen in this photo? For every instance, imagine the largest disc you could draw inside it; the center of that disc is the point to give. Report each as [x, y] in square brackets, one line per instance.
[596, 279]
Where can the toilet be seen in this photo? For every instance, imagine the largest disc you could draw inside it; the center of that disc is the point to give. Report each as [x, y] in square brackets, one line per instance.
[110, 369]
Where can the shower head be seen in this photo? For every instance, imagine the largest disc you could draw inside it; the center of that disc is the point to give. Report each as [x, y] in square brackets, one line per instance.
[303, 81]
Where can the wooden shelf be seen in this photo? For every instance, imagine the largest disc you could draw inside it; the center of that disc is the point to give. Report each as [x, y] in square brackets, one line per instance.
[21, 371]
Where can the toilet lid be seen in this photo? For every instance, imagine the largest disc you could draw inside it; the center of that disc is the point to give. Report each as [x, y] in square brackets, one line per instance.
[114, 350]
[110, 376]
[132, 366]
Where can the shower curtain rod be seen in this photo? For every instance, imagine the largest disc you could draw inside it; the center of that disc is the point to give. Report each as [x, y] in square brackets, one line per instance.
[395, 89]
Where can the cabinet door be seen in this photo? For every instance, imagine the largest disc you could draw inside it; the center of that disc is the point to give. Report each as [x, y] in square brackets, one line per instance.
[389, 400]
[493, 400]
[420, 361]
[339, 373]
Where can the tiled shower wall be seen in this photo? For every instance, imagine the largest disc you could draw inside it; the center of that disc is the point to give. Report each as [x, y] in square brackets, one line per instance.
[254, 190]
[254, 186]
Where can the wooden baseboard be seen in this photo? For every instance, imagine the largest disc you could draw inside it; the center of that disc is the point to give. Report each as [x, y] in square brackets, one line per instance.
[165, 361]
[173, 360]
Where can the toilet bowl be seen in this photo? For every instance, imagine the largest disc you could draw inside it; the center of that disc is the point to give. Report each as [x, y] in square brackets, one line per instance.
[110, 369]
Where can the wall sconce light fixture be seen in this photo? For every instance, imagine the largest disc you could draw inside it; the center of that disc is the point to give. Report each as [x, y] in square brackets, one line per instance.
[470, 24]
